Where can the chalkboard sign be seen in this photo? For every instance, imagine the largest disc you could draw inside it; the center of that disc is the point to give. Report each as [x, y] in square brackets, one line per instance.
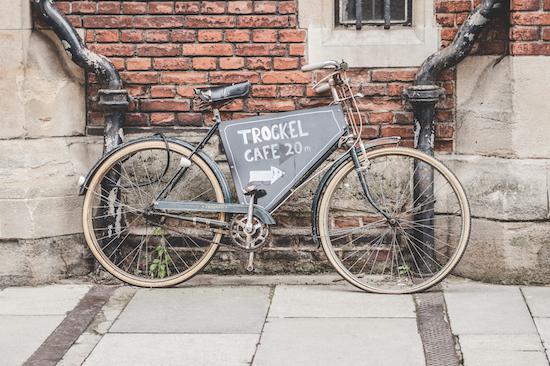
[273, 152]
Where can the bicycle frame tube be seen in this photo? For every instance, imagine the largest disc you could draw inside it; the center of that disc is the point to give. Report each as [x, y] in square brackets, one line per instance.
[175, 179]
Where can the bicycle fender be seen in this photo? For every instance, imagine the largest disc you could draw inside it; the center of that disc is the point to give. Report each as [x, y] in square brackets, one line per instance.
[83, 185]
[319, 192]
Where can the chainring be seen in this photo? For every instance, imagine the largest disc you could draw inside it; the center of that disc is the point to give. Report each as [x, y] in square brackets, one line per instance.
[249, 242]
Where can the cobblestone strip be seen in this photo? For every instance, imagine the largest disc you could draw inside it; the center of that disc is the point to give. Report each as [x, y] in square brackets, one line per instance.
[76, 322]
[435, 331]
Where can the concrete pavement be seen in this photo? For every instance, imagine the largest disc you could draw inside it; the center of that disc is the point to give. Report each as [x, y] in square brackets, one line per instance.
[279, 320]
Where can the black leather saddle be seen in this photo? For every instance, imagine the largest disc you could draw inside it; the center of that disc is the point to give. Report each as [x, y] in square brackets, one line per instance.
[224, 93]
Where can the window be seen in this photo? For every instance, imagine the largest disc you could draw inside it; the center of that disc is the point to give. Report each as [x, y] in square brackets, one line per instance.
[373, 12]
[402, 36]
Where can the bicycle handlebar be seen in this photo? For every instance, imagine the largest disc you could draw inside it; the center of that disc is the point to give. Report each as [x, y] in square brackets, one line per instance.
[320, 66]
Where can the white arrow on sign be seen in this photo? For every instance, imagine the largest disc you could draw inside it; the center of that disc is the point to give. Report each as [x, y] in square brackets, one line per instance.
[270, 176]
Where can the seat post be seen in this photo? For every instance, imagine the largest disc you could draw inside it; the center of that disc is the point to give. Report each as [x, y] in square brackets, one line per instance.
[217, 116]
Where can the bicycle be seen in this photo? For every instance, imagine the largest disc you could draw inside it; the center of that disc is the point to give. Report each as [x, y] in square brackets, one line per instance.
[390, 219]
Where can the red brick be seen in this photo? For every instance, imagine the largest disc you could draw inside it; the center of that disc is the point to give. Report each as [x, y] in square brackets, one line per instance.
[103, 35]
[292, 35]
[134, 7]
[448, 34]
[264, 35]
[183, 36]
[265, 7]
[453, 6]
[84, 7]
[151, 105]
[524, 33]
[239, 7]
[204, 63]
[531, 49]
[231, 63]
[259, 63]
[237, 35]
[286, 77]
[172, 63]
[292, 90]
[187, 7]
[296, 50]
[393, 75]
[134, 64]
[210, 35]
[394, 130]
[133, 36]
[141, 77]
[263, 21]
[107, 21]
[207, 49]
[163, 91]
[228, 77]
[287, 7]
[213, 7]
[380, 117]
[163, 21]
[158, 50]
[285, 63]
[525, 5]
[163, 118]
[546, 34]
[446, 20]
[158, 7]
[209, 21]
[190, 119]
[270, 105]
[264, 90]
[185, 77]
[157, 36]
[113, 49]
[260, 50]
[531, 18]
[108, 7]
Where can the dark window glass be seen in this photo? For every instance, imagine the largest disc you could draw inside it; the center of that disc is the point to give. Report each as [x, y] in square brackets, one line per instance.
[373, 12]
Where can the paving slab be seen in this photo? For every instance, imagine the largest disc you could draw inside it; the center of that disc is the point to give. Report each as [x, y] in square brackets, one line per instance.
[196, 310]
[337, 302]
[87, 341]
[487, 309]
[543, 326]
[174, 349]
[343, 341]
[44, 300]
[502, 350]
[538, 299]
[21, 335]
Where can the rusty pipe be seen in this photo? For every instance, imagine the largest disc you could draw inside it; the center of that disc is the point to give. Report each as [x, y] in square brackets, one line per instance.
[114, 98]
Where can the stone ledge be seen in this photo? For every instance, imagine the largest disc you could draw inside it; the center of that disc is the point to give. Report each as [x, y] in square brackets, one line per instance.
[503, 189]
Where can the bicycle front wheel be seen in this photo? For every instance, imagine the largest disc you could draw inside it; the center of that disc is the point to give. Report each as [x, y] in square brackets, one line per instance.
[411, 233]
[136, 244]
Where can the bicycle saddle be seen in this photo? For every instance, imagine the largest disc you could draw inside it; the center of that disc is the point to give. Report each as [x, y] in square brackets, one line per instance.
[223, 93]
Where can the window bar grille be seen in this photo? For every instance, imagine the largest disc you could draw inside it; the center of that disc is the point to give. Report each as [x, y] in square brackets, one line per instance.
[358, 14]
[387, 14]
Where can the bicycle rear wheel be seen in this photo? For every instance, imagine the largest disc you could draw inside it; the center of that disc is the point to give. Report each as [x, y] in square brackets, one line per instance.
[139, 246]
[420, 242]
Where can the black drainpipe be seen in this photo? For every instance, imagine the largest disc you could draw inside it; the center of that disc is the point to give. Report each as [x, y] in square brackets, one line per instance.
[423, 96]
[114, 98]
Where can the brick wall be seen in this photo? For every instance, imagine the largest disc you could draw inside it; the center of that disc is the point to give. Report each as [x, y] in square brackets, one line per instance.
[530, 30]
[165, 49]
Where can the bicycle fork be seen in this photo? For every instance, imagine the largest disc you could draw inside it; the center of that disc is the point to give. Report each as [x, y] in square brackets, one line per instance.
[361, 173]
